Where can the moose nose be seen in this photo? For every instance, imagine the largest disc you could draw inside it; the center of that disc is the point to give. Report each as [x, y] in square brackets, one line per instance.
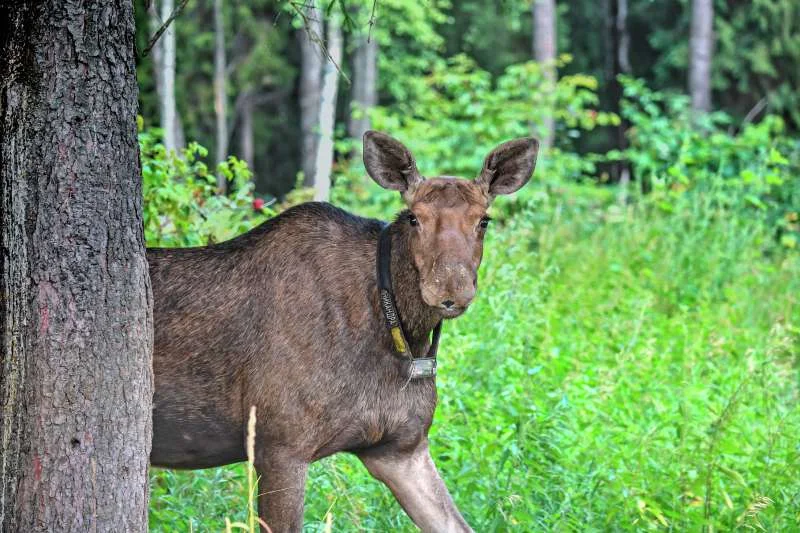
[448, 304]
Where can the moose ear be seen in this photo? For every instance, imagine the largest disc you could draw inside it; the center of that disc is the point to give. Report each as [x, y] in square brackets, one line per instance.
[509, 166]
[390, 163]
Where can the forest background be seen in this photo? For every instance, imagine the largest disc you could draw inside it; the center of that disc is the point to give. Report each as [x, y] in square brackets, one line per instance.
[632, 360]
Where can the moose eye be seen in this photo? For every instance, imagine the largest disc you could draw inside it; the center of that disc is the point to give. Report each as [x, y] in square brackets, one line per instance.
[484, 223]
[412, 219]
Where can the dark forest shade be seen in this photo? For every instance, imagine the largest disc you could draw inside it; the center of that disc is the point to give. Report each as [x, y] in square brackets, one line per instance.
[75, 311]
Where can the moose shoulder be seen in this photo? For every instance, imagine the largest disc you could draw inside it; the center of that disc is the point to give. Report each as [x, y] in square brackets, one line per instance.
[289, 318]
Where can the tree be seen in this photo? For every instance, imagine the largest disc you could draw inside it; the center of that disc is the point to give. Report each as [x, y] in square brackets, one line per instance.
[701, 51]
[245, 109]
[75, 308]
[327, 112]
[261, 78]
[310, 86]
[544, 47]
[365, 85]
[164, 73]
[617, 61]
[623, 37]
[220, 96]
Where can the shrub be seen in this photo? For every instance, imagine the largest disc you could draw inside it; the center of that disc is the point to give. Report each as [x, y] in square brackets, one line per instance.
[462, 113]
[681, 157]
[181, 204]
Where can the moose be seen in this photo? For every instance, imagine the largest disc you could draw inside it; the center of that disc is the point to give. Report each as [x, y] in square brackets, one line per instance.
[319, 318]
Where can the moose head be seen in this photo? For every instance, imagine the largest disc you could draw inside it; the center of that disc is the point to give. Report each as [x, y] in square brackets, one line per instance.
[448, 215]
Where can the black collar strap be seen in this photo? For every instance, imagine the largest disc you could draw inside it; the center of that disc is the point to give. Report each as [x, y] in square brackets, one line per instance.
[416, 367]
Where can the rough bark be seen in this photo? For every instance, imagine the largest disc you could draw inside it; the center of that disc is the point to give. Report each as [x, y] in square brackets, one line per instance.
[75, 307]
[310, 86]
[365, 83]
[327, 113]
[164, 65]
[701, 52]
[544, 49]
[220, 97]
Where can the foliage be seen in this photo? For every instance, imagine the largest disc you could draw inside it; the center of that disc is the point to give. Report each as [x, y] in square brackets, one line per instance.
[181, 204]
[753, 174]
[757, 48]
[410, 44]
[462, 112]
[259, 67]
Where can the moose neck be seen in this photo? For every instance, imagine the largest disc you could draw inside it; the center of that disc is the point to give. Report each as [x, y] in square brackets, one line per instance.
[417, 317]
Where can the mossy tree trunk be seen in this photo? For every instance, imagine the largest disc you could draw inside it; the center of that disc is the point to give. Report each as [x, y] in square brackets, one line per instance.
[76, 305]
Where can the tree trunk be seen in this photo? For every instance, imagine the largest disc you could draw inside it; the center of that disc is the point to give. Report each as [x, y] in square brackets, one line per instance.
[164, 73]
[327, 114]
[220, 97]
[246, 147]
[623, 38]
[701, 51]
[173, 127]
[310, 85]
[622, 65]
[76, 307]
[544, 50]
[365, 86]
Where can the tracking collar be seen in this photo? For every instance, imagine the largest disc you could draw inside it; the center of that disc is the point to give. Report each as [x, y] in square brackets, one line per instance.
[415, 367]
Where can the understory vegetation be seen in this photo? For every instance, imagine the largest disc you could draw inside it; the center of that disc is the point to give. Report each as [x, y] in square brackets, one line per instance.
[631, 360]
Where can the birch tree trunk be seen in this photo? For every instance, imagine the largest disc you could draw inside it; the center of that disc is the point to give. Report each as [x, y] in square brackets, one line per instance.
[310, 87]
[220, 97]
[365, 86]
[76, 328]
[327, 114]
[164, 66]
[701, 52]
[544, 50]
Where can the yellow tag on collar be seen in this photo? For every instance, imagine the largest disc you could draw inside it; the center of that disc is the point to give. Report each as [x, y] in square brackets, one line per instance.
[399, 343]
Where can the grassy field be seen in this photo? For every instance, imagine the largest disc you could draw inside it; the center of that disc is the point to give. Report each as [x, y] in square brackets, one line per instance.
[621, 370]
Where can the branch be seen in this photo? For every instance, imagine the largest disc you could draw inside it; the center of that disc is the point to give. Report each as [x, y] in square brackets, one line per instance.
[758, 108]
[316, 39]
[372, 20]
[154, 39]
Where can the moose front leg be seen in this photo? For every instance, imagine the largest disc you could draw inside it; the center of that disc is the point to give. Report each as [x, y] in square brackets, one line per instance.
[281, 491]
[414, 481]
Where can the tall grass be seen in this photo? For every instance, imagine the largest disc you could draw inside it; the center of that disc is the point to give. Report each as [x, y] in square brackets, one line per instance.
[622, 369]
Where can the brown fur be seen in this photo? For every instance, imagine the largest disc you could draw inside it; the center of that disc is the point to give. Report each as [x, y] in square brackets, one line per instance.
[286, 318]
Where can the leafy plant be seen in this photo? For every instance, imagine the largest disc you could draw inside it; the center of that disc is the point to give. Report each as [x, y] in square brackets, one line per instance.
[181, 204]
[462, 112]
[752, 173]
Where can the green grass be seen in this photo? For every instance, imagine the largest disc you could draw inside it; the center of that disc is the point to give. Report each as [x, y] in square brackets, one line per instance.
[621, 370]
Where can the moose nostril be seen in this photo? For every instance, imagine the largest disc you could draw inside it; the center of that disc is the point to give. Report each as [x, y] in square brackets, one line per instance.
[448, 303]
